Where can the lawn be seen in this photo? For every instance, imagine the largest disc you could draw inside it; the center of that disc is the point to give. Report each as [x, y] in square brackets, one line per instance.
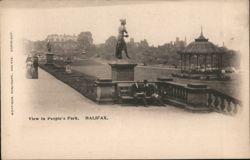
[100, 70]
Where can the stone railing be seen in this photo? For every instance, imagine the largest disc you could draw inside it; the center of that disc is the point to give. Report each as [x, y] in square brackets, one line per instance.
[197, 97]
[193, 97]
[221, 102]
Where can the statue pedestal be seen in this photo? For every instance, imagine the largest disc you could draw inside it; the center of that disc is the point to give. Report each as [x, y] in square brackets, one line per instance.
[49, 58]
[68, 69]
[122, 71]
[68, 63]
[105, 91]
[197, 95]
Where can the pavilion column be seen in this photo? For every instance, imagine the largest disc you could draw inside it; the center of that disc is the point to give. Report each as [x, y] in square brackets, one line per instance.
[181, 61]
[197, 61]
[218, 61]
[185, 62]
[212, 61]
[205, 62]
[189, 62]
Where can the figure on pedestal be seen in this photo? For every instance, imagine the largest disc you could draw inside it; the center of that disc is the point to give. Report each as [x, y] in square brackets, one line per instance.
[68, 62]
[48, 46]
[32, 67]
[29, 67]
[121, 44]
[122, 71]
[49, 55]
[35, 66]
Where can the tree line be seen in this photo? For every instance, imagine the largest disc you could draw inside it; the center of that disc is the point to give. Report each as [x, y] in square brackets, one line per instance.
[140, 52]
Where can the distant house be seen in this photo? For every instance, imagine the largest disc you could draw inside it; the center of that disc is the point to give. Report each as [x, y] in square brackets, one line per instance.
[180, 44]
[61, 37]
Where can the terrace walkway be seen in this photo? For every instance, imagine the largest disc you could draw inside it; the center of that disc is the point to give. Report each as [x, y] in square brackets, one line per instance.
[129, 132]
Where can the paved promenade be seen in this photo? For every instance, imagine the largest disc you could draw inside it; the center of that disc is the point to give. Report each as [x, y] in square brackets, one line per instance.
[128, 132]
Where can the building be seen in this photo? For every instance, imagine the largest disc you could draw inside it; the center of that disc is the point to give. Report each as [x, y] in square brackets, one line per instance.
[61, 37]
[180, 44]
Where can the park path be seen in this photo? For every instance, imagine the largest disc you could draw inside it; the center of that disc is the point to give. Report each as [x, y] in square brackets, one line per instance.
[129, 132]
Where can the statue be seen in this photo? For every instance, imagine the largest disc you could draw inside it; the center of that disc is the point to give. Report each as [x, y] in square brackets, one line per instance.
[48, 46]
[121, 44]
[49, 56]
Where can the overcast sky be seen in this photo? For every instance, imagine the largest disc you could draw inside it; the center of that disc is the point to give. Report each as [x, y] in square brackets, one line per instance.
[159, 22]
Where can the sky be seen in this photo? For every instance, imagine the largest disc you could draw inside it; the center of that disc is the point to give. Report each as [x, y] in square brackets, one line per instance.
[159, 22]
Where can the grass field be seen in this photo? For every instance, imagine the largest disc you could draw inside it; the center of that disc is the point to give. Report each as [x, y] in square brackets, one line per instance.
[100, 70]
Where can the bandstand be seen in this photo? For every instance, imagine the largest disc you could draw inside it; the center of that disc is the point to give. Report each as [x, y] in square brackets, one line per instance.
[201, 56]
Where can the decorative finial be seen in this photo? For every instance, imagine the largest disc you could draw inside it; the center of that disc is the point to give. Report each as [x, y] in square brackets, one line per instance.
[201, 31]
[201, 38]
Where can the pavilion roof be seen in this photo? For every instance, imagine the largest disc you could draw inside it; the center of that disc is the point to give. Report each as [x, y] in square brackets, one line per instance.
[201, 45]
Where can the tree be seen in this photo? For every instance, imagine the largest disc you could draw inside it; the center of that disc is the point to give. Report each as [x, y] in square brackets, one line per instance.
[70, 47]
[111, 41]
[85, 40]
[143, 43]
[107, 50]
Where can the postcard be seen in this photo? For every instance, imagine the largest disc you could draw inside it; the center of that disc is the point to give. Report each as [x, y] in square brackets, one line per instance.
[124, 79]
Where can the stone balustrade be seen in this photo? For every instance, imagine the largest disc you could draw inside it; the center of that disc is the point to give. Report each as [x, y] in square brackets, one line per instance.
[193, 97]
[221, 102]
[197, 97]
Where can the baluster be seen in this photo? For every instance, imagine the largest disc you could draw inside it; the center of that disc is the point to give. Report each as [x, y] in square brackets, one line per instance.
[229, 107]
[222, 105]
[209, 100]
[185, 95]
[164, 91]
[177, 93]
[235, 109]
[172, 93]
[168, 91]
[182, 94]
[216, 101]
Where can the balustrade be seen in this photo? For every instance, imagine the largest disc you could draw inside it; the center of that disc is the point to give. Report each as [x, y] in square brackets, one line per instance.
[205, 97]
[221, 102]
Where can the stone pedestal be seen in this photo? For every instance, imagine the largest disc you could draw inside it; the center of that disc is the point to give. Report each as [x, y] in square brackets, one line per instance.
[122, 71]
[49, 58]
[68, 66]
[68, 69]
[197, 95]
[105, 91]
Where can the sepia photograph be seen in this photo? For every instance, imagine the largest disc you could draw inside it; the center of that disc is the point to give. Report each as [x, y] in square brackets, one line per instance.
[106, 79]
